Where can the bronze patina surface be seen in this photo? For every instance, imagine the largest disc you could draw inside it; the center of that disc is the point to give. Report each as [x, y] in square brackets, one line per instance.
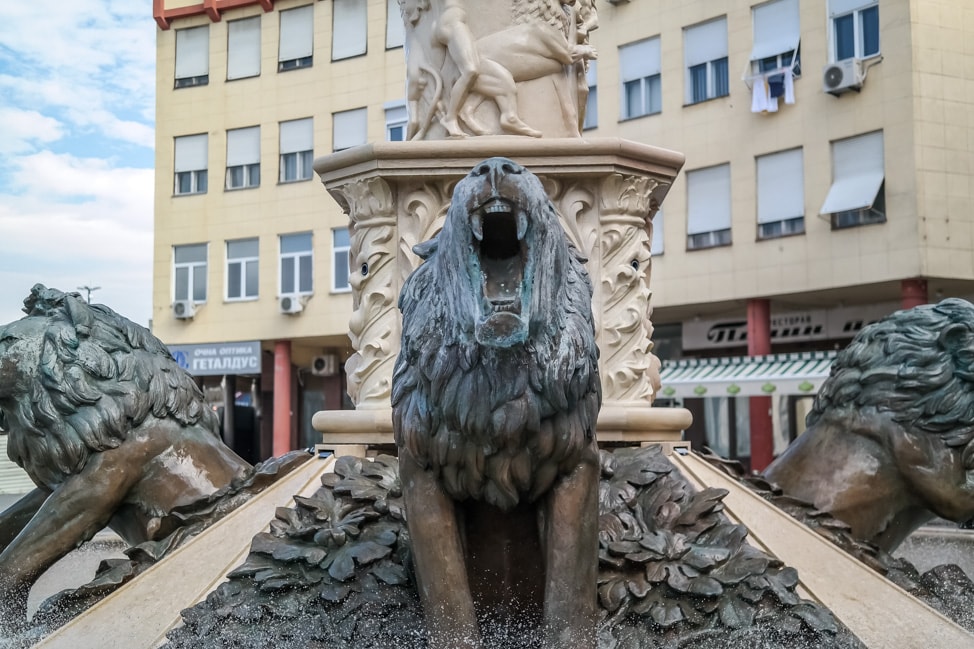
[889, 439]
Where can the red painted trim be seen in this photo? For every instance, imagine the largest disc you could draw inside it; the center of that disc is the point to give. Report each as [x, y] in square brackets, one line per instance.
[282, 397]
[913, 293]
[211, 8]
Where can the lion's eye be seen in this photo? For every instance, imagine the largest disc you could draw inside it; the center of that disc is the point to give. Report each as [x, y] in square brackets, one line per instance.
[365, 270]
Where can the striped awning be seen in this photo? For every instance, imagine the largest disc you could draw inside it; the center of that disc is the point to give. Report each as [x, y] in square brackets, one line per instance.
[745, 376]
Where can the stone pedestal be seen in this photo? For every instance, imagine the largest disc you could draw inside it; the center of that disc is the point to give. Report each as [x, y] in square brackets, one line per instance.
[607, 191]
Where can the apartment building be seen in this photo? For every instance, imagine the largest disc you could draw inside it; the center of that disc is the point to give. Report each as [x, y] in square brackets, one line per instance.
[827, 183]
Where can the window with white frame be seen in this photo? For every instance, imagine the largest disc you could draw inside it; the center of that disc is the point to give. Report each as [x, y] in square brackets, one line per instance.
[708, 207]
[592, 99]
[341, 258]
[639, 68]
[243, 48]
[349, 34]
[781, 194]
[297, 264]
[395, 29]
[243, 158]
[705, 55]
[297, 139]
[349, 128]
[656, 244]
[396, 120]
[189, 164]
[296, 49]
[854, 28]
[243, 266]
[777, 33]
[189, 272]
[857, 195]
[193, 56]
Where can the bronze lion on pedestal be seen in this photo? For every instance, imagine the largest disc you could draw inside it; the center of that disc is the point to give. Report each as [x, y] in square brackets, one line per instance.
[496, 393]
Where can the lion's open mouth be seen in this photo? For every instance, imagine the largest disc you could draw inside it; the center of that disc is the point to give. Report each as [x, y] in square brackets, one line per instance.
[500, 229]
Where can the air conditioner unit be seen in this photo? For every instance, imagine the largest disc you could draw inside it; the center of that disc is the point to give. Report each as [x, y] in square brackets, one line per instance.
[843, 76]
[291, 304]
[183, 309]
[325, 365]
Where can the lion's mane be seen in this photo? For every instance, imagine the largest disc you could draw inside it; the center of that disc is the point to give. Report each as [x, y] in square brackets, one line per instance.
[918, 366]
[97, 377]
[497, 423]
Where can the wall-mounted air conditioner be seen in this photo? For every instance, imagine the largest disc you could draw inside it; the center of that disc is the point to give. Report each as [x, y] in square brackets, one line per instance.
[291, 304]
[324, 365]
[843, 76]
[183, 309]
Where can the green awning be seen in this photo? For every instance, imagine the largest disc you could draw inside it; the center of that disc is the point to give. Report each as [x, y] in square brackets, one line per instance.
[745, 376]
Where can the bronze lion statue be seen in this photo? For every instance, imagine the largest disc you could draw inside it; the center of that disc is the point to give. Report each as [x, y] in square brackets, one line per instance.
[889, 439]
[495, 398]
[107, 426]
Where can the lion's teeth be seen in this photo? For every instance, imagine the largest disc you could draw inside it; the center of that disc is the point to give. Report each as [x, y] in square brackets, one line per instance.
[522, 225]
[477, 225]
[497, 207]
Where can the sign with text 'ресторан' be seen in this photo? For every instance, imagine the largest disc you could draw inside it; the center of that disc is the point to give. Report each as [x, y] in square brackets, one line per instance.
[215, 359]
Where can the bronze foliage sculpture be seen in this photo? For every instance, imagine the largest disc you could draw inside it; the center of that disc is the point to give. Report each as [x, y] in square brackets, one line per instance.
[495, 398]
[113, 433]
[890, 438]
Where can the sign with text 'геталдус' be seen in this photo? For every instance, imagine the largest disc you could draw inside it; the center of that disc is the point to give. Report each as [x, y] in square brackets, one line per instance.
[215, 359]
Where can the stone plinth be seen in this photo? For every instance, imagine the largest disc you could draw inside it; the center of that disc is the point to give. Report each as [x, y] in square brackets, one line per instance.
[607, 191]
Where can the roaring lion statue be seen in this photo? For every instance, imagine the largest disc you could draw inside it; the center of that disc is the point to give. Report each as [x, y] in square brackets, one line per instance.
[107, 426]
[495, 398]
[890, 439]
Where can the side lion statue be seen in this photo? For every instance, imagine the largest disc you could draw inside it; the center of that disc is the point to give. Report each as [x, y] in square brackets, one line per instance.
[108, 427]
[495, 398]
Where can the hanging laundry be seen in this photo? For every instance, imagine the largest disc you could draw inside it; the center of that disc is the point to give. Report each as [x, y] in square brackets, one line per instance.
[759, 96]
[776, 85]
[790, 85]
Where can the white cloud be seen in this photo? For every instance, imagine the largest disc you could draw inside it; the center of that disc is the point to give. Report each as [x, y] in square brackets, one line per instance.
[22, 130]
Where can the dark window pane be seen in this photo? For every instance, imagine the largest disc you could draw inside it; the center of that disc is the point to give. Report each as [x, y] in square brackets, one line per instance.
[184, 182]
[300, 242]
[768, 64]
[305, 165]
[304, 269]
[634, 98]
[698, 83]
[721, 86]
[242, 248]
[654, 95]
[845, 47]
[254, 175]
[233, 280]
[341, 238]
[341, 270]
[252, 279]
[188, 254]
[199, 283]
[287, 275]
[182, 283]
[870, 31]
[201, 181]
[235, 177]
[592, 108]
[396, 133]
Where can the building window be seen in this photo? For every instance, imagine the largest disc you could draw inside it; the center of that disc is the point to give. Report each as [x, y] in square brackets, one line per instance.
[639, 66]
[190, 164]
[296, 48]
[396, 119]
[193, 56]
[242, 269]
[349, 34]
[395, 29]
[296, 264]
[243, 158]
[777, 33]
[705, 54]
[857, 195]
[855, 28]
[349, 128]
[296, 148]
[189, 272]
[341, 258]
[592, 99]
[656, 244]
[243, 48]
[708, 207]
[781, 194]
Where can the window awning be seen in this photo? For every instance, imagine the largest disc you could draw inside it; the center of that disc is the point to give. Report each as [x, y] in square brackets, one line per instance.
[857, 172]
[746, 376]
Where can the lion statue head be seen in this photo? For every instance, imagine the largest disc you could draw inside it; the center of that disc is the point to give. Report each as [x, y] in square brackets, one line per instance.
[496, 387]
[76, 379]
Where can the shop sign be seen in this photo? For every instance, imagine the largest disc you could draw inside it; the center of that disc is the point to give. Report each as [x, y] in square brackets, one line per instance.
[214, 359]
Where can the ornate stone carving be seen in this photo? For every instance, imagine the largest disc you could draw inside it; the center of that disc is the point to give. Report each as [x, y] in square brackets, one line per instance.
[630, 372]
[466, 60]
[374, 327]
[423, 208]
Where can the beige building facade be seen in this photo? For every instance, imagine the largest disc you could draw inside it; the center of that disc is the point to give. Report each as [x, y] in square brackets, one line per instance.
[827, 182]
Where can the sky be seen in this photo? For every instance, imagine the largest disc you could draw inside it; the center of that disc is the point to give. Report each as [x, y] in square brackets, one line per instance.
[77, 103]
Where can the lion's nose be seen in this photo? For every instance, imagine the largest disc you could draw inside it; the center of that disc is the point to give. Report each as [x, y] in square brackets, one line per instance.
[497, 166]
